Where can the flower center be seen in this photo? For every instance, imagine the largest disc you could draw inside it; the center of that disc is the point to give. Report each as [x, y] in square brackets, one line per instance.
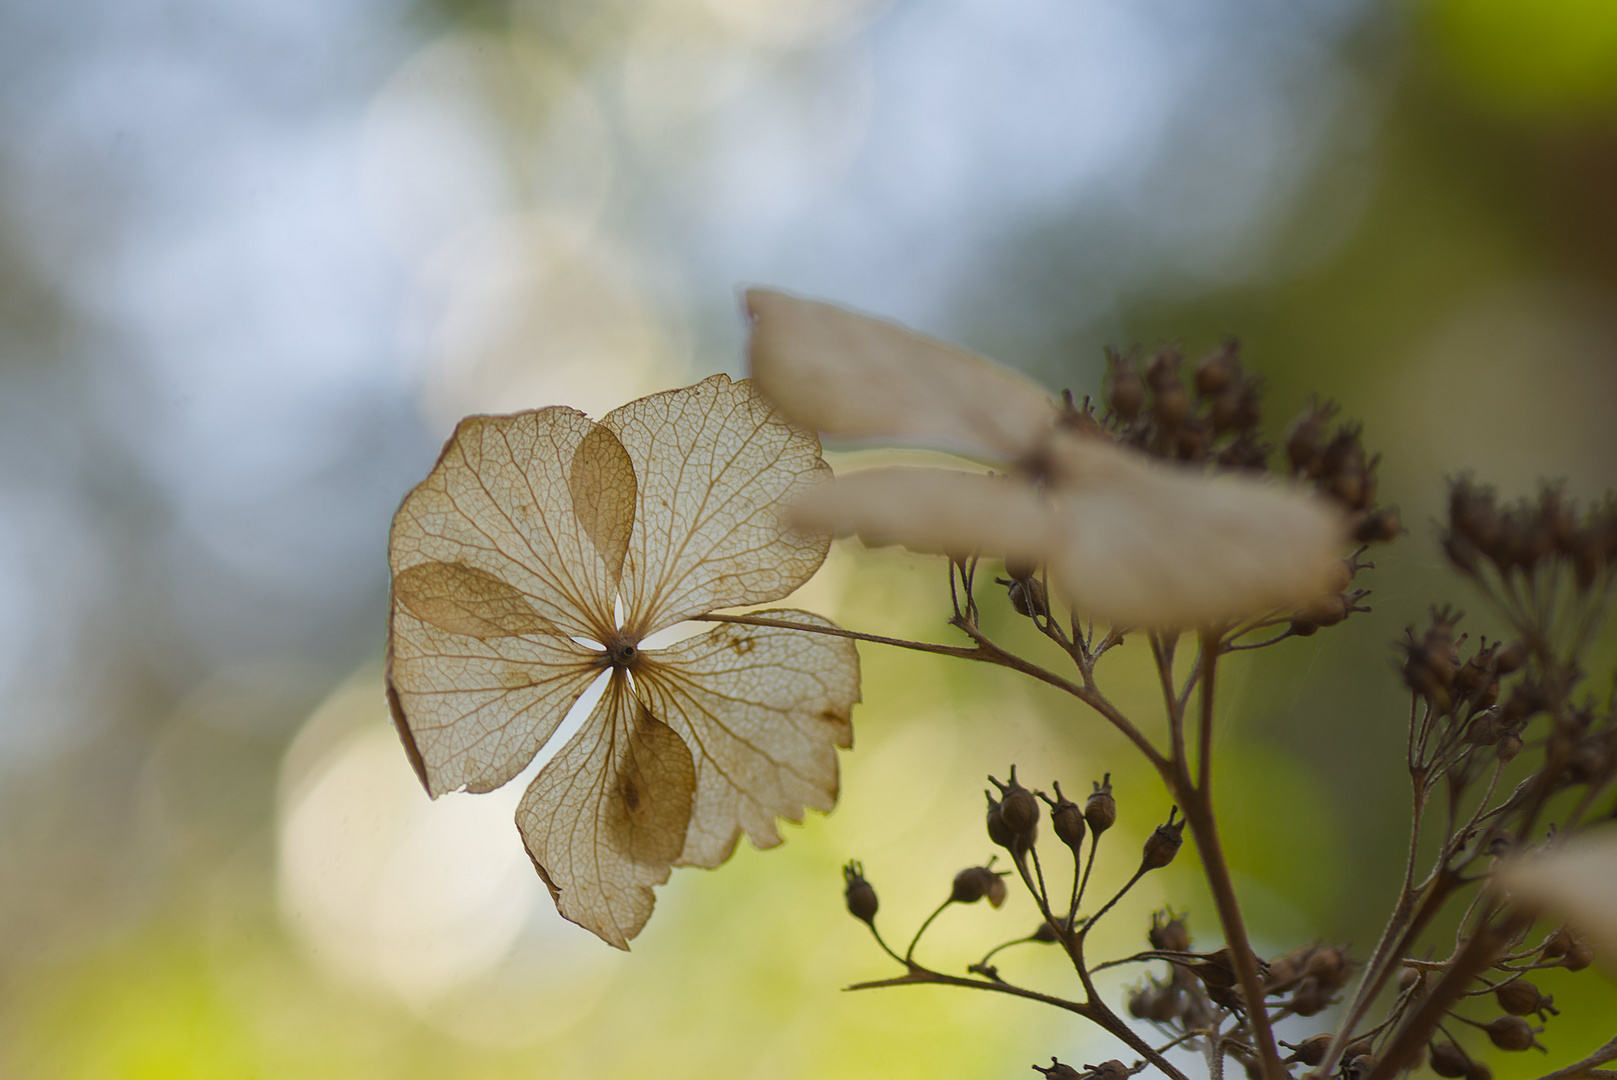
[624, 652]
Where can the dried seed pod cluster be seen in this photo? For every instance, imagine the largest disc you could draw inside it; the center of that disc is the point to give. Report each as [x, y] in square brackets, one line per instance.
[1202, 988]
[1507, 752]
[1521, 538]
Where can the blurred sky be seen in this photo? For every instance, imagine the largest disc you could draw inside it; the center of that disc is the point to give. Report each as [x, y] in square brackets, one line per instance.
[257, 257]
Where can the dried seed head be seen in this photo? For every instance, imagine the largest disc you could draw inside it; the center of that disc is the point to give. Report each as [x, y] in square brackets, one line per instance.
[1170, 405]
[1163, 843]
[1309, 997]
[1430, 662]
[1510, 658]
[1331, 966]
[1310, 1052]
[1478, 1071]
[1579, 956]
[861, 897]
[1108, 1070]
[1168, 932]
[1473, 513]
[1019, 810]
[975, 882]
[1408, 978]
[1305, 438]
[1447, 1059]
[1100, 810]
[1029, 597]
[1058, 1071]
[1378, 527]
[1521, 997]
[1124, 390]
[1065, 818]
[1239, 407]
[1556, 945]
[1509, 745]
[1327, 610]
[1510, 1033]
[998, 831]
[1160, 1004]
[1359, 1066]
[1219, 369]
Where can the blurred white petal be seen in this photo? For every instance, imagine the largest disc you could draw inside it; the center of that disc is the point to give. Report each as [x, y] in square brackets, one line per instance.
[935, 510]
[855, 377]
[1146, 544]
[1135, 543]
[1577, 881]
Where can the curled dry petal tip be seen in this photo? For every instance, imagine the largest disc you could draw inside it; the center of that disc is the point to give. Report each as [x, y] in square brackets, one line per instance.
[526, 534]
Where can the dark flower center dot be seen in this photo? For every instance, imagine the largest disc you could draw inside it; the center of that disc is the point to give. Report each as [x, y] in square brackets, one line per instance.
[623, 653]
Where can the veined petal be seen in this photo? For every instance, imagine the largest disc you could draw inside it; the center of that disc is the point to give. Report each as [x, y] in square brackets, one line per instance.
[763, 711]
[605, 819]
[857, 377]
[504, 501]
[716, 465]
[1138, 543]
[474, 710]
[936, 510]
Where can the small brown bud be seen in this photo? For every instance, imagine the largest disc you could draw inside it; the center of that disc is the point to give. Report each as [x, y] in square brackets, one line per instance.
[1478, 1071]
[1509, 745]
[1157, 1003]
[1066, 819]
[1556, 945]
[1330, 966]
[1305, 437]
[1100, 811]
[1029, 598]
[1108, 1070]
[1310, 1052]
[998, 832]
[1521, 997]
[1380, 527]
[1309, 997]
[1125, 392]
[1359, 1066]
[1408, 978]
[1510, 1033]
[1168, 932]
[975, 882]
[861, 897]
[1057, 1071]
[1510, 658]
[1218, 369]
[1327, 610]
[1019, 810]
[1447, 1059]
[1163, 843]
[1578, 957]
[1170, 405]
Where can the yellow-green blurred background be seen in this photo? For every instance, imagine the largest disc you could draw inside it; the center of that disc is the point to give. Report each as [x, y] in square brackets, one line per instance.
[256, 256]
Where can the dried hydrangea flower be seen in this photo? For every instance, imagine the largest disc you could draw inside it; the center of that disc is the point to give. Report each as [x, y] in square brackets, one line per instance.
[1128, 540]
[530, 534]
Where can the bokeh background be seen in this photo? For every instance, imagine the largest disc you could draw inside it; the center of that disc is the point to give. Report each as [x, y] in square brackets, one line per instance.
[256, 257]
